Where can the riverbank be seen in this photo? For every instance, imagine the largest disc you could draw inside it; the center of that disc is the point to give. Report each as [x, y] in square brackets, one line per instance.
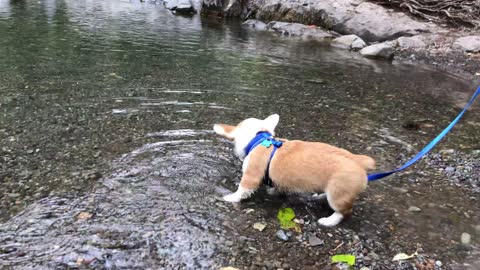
[387, 33]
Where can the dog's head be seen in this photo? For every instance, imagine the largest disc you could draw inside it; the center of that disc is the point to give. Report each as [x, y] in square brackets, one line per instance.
[246, 130]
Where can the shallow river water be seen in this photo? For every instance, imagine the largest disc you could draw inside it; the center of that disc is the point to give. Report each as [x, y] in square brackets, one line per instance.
[108, 160]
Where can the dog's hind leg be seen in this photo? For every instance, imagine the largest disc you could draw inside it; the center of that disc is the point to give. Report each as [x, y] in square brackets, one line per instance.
[340, 200]
[341, 208]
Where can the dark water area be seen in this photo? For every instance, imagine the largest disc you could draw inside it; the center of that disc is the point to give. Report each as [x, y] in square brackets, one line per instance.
[108, 161]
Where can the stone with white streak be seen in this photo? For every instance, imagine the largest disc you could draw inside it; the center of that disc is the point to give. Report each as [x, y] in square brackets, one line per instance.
[348, 42]
[380, 50]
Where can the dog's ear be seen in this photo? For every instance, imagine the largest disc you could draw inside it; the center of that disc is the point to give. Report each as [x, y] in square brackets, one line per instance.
[271, 122]
[227, 131]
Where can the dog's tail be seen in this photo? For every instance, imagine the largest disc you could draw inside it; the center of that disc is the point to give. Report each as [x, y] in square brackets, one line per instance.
[365, 161]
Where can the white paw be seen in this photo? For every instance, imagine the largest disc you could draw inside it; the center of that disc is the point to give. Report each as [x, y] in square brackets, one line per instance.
[326, 222]
[234, 198]
[332, 220]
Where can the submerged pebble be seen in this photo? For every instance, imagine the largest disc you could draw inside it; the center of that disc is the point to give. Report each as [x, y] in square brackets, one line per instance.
[315, 241]
[414, 209]
[466, 239]
[281, 235]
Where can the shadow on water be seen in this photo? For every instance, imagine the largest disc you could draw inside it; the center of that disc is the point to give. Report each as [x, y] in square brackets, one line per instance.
[108, 159]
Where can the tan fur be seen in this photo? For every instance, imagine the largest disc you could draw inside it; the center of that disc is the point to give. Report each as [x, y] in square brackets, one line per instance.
[300, 166]
[253, 175]
[317, 167]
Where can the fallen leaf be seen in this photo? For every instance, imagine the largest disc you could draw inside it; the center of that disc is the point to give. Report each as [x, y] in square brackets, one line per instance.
[346, 258]
[228, 268]
[84, 215]
[403, 256]
[259, 226]
[285, 217]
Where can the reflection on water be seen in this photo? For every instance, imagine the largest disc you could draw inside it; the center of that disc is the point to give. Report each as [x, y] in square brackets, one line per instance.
[107, 106]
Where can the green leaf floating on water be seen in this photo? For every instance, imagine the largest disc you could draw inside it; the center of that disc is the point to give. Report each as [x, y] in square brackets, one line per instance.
[345, 258]
[285, 217]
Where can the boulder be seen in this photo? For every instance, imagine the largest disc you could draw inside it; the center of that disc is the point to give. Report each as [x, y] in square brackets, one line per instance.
[180, 6]
[289, 11]
[375, 23]
[348, 42]
[299, 30]
[380, 50]
[369, 21]
[411, 42]
[468, 44]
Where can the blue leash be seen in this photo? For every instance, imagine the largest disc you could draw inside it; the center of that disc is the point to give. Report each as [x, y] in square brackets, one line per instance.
[376, 176]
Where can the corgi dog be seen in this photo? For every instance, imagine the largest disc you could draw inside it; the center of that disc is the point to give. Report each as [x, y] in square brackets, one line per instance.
[296, 166]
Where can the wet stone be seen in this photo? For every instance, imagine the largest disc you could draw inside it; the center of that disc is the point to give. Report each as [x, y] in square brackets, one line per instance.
[374, 255]
[255, 24]
[380, 50]
[179, 6]
[13, 195]
[466, 239]
[282, 235]
[315, 241]
[414, 209]
[348, 42]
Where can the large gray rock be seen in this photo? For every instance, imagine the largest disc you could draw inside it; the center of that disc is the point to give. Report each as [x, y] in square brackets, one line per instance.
[180, 6]
[225, 8]
[468, 43]
[380, 50]
[375, 23]
[299, 30]
[414, 42]
[348, 42]
[290, 11]
[369, 21]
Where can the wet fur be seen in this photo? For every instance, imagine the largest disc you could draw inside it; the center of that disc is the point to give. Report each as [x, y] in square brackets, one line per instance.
[299, 166]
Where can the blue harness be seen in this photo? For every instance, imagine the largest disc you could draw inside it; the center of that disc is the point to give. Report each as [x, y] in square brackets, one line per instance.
[265, 139]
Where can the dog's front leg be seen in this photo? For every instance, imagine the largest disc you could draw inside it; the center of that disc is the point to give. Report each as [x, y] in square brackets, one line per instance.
[253, 168]
[240, 194]
[248, 185]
